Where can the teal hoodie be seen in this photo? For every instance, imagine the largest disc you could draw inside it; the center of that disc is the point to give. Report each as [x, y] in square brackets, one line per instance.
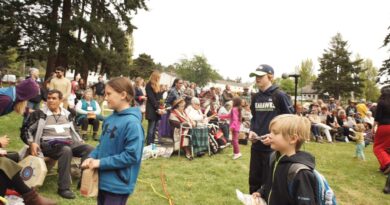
[120, 151]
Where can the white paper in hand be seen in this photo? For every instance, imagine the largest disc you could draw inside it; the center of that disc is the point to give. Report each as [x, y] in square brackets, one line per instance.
[248, 199]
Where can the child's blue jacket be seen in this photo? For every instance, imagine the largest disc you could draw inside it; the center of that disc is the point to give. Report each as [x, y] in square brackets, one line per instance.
[120, 151]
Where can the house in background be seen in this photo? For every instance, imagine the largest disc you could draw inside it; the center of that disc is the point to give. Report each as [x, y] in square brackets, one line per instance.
[308, 93]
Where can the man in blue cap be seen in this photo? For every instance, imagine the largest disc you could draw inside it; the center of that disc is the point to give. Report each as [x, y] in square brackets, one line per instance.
[266, 104]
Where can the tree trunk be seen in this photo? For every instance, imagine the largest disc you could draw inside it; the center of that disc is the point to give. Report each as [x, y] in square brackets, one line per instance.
[88, 43]
[65, 38]
[51, 58]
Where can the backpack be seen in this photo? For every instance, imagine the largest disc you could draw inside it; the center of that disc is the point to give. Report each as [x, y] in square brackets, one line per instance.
[278, 104]
[325, 194]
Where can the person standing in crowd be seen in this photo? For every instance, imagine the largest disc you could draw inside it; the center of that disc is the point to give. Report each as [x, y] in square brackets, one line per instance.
[140, 97]
[15, 98]
[235, 124]
[88, 112]
[118, 156]
[332, 105]
[246, 95]
[99, 89]
[382, 139]
[227, 94]
[62, 84]
[351, 107]
[264, 109]
[153, 112]
[175, 92]
[35, 102]
[361, 108]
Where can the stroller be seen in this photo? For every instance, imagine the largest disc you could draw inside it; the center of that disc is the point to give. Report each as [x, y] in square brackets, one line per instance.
[216, 138]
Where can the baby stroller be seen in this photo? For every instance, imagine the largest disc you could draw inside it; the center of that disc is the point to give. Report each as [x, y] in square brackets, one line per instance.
[216, 135]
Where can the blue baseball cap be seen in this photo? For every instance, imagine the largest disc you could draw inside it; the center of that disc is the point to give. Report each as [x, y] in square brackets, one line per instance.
[263, 69]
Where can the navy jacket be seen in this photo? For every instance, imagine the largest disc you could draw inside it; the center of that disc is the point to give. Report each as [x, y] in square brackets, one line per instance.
[263, 111]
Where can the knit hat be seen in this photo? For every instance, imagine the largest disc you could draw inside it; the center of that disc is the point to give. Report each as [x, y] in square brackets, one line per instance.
[26, 90]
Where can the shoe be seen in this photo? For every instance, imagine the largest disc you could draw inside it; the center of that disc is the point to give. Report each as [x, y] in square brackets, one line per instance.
[66, 193]
[189, 157]
[236, 156]
[200, 154]
[386, 190]
[222, 146]
[95, 137]
[33, 198]
[84, 137]
[387, 170]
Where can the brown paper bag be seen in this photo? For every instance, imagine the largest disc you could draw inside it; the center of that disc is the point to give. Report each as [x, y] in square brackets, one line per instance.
[91, 116]
[90, 183]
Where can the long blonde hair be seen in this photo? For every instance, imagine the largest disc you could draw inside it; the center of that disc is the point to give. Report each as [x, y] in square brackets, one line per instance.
[20, 107]
[155, 81]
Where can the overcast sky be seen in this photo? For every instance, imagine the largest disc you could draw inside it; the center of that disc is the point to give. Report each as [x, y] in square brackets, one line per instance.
[238, 35]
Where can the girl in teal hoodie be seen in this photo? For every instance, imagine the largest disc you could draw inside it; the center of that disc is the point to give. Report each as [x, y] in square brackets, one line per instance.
[118, 156]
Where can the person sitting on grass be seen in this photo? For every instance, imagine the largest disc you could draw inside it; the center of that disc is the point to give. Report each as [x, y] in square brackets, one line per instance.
[88, 112]
[288, 133]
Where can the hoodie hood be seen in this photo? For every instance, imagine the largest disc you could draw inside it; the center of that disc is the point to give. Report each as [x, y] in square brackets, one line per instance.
[300, 157]
[270, 90]
[133, 111]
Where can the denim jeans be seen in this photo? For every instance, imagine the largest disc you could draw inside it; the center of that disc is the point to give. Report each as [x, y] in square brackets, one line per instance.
[152, 124]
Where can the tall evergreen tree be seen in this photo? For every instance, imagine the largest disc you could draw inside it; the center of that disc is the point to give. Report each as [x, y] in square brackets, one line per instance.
[339, 75]
[143, 66]
[385, 69]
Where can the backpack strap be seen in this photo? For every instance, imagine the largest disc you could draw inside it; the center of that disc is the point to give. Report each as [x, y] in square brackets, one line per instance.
[275, 99]
[292, 172]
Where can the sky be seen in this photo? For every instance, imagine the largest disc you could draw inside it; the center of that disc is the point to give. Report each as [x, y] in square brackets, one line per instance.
[236, 36]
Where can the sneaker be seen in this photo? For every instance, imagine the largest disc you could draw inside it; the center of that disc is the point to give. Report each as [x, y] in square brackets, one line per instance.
[236, 156]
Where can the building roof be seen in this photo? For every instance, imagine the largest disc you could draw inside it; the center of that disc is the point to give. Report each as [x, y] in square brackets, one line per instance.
[308, 89]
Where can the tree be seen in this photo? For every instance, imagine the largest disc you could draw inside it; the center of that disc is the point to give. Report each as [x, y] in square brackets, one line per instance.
[306, 73]
[143, 66]
[385, 69]
[370, 91]
[197, 70]
[287, 85]
[85, 35]
[339, 75]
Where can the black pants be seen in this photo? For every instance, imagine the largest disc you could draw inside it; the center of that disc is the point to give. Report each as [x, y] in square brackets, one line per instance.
[64, 156]
[16, 183]
[85, 122]
[105, 198]
[259, 169]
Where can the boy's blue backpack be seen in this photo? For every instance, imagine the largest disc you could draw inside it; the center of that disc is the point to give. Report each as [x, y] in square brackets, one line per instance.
[325, 194]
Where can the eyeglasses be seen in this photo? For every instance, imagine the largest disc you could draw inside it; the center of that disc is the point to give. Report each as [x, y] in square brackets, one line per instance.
[58, 72]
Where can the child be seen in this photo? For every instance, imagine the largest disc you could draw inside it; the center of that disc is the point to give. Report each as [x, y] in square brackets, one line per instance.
[118, 156]
[359, 138]
[288, 133]
[235, 124]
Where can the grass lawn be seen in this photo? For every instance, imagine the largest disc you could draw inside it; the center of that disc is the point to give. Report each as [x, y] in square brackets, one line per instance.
[213, 180]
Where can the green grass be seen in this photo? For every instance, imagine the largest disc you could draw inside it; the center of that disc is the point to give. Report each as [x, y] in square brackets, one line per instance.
[213, 180]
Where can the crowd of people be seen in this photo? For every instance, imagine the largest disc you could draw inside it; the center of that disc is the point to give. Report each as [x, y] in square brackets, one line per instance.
[59, 112]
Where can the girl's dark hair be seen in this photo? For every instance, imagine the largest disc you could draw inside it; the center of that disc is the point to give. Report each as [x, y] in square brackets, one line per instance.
[175, 81]
[384, 99]
[237, 104]
[122, 84]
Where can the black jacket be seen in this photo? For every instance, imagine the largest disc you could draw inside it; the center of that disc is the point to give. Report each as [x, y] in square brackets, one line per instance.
[263, 111]
[303, 186]
[152, 104]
